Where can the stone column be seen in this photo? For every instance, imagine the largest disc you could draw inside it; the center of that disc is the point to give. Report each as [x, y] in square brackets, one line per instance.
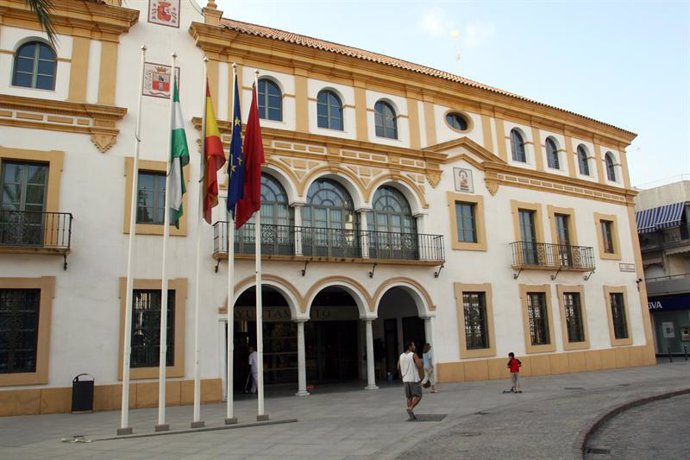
[297, 207]
[371, 378]
[301, 361]
[364, 232]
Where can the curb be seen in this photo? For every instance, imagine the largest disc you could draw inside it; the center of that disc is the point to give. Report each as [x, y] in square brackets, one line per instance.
[587, 432]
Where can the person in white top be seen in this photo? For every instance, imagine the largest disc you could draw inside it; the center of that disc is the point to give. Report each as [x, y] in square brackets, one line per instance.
[253, 365]
[428, 360]
[410, 366]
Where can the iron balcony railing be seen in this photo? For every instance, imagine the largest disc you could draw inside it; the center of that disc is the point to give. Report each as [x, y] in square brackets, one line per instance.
[329, 242]
[557, 256]
[36, 230]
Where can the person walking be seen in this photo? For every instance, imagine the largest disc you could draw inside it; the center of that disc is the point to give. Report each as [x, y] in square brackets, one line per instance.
[428, 359]
[514, 366]
[254, 368]
[409, 366]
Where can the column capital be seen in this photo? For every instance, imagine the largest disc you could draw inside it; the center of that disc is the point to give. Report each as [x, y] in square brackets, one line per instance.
[298, 204]
[364, 209]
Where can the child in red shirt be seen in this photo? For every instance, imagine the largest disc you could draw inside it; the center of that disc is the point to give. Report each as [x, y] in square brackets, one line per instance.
[514, 366]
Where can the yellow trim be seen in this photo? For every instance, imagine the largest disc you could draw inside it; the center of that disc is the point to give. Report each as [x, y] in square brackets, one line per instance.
[562, 289]
[47, 286]
[478, 201]
[608, 290]
[571, 157]
[107, 80]
[361, 111]
[301, 104]
[413, 111]
[78, 75]
[601, 175]
[152, 229]
[486, 130]
[546, 290]
[460, 289]
[179, 285]
[539, 149]
[572, 227]
[642, 286]
[430, 122]
[501, 138]
[616, 254]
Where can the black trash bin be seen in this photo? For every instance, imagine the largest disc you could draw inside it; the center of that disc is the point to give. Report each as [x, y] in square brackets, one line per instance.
[82, 394]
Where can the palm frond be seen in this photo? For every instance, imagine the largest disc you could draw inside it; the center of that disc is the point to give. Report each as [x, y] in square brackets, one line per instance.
[43, 9]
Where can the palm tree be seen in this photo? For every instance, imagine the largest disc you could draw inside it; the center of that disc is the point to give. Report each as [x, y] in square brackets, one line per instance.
[42, 9]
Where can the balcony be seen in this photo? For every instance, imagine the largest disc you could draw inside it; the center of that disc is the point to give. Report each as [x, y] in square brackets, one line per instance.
[545, 256]
[328, 244]
[29, 232]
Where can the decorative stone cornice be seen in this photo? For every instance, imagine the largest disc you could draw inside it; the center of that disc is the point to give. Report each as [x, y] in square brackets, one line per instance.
[74, 17]
[99, 121]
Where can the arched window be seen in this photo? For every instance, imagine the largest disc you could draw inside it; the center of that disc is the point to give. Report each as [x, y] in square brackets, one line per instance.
[333, 225]
[385, 120]
[329, 110]
[552, 154]
[582, 160]
[35, 66]
[275, 209]
[517, 146]
[610, 167]
[392, 228]
[270, 100]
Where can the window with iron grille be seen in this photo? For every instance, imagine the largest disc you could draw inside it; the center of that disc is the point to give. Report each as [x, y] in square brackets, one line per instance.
[146, 324]
[573, 317]
[620, 324]
[19, 311]
[465, 216]
[538, 318]
[476, 328]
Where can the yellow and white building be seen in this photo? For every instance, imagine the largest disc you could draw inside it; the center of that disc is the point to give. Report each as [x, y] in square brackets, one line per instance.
[400, 203]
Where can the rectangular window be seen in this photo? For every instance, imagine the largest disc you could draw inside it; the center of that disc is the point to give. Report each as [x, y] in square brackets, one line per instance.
[146, 323]
[151, 198]
[476, 332]
[465, 221]
[538, 318]
[528, 234]
[573, 317]
[607, 236]
[19, 313]
[22, 203]
[620, 323]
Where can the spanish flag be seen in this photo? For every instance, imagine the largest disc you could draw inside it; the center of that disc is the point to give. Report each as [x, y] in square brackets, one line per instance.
[214, 158]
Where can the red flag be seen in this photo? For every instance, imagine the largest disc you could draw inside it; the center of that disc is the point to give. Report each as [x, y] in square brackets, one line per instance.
[214, 158]
[253, 159]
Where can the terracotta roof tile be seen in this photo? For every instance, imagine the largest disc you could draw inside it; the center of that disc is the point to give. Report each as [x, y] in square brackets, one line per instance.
[303, 40]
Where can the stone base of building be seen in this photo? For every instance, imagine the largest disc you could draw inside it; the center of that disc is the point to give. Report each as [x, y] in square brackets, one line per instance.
[548, 364]
[30, 401]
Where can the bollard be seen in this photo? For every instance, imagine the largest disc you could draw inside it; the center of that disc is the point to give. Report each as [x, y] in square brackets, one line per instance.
[670, 356]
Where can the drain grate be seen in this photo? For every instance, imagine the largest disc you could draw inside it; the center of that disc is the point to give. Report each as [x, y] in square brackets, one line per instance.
[598, 450]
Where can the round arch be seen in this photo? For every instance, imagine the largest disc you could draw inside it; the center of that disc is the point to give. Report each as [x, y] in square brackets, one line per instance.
[354, 185]
[412, 193]
[287, 290]
[285, 177]
[420, 296]
[356, 290]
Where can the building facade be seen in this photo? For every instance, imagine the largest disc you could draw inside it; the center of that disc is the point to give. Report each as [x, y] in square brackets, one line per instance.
[662, 225]
[399, 203]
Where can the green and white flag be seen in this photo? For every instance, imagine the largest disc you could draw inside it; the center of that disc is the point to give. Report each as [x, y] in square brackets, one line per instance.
[179, 157]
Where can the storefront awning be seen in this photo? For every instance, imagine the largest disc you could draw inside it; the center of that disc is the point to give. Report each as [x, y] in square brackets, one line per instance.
[668, 216]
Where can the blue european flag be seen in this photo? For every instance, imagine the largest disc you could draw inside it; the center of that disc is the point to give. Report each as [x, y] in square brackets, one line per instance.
[235, 160]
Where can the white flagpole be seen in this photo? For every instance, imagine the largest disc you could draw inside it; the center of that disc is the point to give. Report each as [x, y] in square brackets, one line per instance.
[197, 422]
[127, 339]
[230, 347]
[259, 307]
[162, 356]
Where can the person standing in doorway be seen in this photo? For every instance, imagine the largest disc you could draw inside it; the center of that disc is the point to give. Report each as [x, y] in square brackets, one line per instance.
[254, 368]
[410, 366]
[428, 359]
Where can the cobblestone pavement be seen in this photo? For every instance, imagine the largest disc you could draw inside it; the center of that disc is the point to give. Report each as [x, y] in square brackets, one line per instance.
[474, 420]
[658, 429]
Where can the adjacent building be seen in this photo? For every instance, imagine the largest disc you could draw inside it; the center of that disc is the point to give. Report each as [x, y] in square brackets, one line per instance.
[399, 202]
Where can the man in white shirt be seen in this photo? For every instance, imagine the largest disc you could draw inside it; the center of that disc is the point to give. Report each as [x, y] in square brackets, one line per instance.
[253, 365]
[410, 366]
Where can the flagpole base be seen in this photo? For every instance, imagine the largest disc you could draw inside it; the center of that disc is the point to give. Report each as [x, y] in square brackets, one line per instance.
[124, 431]
[162, 427]
[198, 424]
[262, 418]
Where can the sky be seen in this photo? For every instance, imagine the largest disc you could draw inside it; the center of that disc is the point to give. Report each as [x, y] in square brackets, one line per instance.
[626, 63]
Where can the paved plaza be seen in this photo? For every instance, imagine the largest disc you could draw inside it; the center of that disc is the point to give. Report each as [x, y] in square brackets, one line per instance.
[552, 418]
